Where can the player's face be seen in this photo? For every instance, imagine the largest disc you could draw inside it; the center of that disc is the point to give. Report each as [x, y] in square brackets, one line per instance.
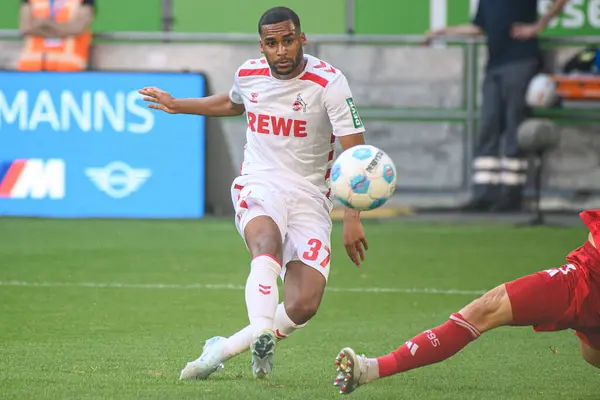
[281, 43]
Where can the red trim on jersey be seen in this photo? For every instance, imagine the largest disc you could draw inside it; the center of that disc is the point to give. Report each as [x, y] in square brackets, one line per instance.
[319, 80]
[254, 72]
[329, 158]
[323, 65]
[332, 141]
[244, 155]
[242, 203]
[262, 61]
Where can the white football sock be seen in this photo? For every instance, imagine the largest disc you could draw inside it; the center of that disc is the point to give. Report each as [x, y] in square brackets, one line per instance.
[372, 370]
[240, 341]
[262, 294]
[283, 325]
[237, 343]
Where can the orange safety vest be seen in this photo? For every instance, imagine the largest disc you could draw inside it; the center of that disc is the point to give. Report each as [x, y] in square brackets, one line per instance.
[47, 54]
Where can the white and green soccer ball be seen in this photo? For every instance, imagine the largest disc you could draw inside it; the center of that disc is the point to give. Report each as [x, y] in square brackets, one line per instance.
[363, 178]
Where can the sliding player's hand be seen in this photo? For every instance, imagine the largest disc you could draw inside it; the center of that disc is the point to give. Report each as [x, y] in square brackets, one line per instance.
[158, 99]
[354, 239]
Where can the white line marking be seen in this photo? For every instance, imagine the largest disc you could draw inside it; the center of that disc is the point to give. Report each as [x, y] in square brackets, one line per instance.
[233, 287]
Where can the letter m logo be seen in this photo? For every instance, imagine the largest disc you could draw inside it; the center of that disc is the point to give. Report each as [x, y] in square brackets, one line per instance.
[33, 178]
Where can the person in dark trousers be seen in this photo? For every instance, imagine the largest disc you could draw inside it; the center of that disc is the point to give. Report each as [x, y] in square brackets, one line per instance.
[514, 57]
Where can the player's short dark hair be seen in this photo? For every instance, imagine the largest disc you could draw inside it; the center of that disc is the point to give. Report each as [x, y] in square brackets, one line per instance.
[278, 14]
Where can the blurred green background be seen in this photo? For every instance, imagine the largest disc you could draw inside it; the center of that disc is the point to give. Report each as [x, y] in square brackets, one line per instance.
[581, 17]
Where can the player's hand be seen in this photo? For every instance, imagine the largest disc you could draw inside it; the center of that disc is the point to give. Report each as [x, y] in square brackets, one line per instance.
[158, 99]
[354, 238]
[524, 31]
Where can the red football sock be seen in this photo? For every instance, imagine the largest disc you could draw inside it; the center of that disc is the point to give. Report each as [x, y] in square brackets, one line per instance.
[429, 347]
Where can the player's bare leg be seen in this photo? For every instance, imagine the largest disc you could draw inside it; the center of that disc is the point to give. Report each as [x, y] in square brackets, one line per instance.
[265, 244]
[490, 311]
[589, 354]
[303, 290]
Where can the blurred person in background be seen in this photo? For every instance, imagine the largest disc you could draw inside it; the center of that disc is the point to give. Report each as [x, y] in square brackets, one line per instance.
[514, 57]
[57, 34]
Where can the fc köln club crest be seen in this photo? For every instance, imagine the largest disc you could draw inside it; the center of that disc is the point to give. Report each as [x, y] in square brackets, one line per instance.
[299, 104]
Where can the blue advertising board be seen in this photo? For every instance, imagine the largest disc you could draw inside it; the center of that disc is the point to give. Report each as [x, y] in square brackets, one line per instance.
[86, 145]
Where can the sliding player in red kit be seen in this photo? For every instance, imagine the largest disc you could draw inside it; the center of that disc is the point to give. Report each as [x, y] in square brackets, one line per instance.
[556, 299]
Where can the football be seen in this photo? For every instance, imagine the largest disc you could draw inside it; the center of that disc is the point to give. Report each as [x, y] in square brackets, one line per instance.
[363, 177]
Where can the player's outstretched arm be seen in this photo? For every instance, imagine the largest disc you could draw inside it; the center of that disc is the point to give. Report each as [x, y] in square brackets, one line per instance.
[219, 105]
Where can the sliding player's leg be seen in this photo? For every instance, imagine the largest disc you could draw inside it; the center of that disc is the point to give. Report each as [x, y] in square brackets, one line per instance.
[432, 346]
[262, 222]
[540, 300]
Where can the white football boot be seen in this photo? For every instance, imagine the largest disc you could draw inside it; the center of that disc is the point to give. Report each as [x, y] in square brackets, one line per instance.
[263, 350]
[352, 370]
[209, 361]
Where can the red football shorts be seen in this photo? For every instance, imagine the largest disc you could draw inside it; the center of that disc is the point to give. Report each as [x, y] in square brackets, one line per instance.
[561, 298]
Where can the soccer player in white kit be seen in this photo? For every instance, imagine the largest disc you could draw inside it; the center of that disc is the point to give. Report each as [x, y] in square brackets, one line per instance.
[296, 106]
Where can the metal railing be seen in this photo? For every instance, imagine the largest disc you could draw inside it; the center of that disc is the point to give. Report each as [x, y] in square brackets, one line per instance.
[203, 37]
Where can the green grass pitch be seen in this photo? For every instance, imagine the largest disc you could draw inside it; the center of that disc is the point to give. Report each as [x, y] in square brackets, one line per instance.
[113, 309]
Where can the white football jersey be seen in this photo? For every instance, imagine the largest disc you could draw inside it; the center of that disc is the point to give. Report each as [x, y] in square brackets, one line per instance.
[292, 124]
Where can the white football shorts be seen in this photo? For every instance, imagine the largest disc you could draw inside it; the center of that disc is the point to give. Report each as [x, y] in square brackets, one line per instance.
[301, 215]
